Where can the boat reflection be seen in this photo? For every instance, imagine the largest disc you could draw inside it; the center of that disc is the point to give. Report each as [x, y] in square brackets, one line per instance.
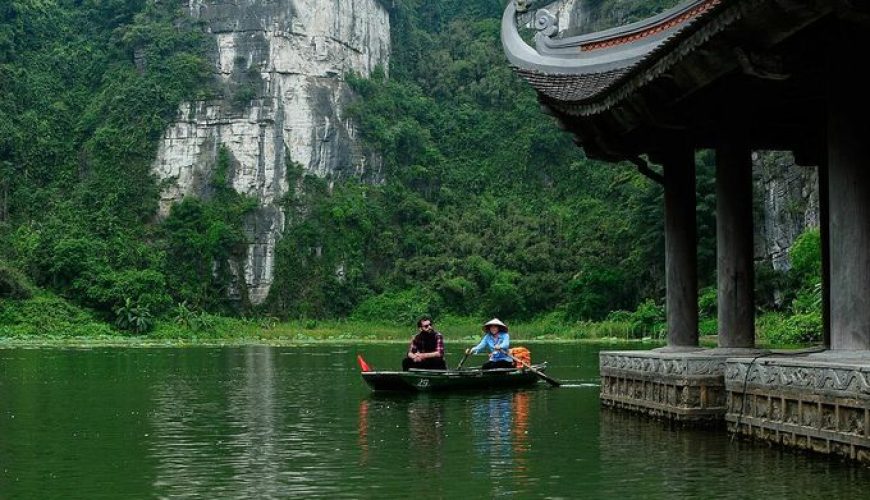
[493, 426]
[363, 431]
[426, 433]
[520, 430]
[501, 437]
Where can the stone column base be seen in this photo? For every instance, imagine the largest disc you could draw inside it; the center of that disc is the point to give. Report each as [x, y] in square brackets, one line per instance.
[818, 402]
[685, 387]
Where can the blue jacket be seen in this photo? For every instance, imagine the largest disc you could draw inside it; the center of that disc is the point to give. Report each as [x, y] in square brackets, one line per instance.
[503, 341]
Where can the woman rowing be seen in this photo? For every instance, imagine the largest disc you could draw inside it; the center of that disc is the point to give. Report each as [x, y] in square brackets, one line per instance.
[496, 341]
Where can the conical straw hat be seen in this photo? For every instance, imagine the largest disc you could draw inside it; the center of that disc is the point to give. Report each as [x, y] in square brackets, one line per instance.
[494, 321]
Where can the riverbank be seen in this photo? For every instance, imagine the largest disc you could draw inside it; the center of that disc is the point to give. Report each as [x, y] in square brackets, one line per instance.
[144, 342]
[233, 331]
[49, 320]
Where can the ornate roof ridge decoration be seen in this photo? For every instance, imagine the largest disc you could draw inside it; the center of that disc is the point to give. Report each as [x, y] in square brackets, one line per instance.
[649, 30]
[590, 73]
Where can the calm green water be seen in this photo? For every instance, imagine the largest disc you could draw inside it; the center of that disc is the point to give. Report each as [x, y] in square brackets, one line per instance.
[261, 422]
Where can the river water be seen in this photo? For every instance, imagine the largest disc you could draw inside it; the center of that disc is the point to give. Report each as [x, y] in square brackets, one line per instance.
[298, 422]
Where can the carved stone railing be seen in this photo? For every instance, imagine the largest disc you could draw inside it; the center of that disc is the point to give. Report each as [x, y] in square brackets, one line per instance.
[683, 387]
[818, 403]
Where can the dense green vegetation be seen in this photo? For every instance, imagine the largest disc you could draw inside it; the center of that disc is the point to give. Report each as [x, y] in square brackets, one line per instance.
[86, 89]
[487, 208]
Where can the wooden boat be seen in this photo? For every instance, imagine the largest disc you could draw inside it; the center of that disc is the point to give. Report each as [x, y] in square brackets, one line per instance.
[443, 380]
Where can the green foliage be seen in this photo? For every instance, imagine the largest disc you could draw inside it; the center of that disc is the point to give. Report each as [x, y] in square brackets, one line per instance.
[803, 322]
[331, 248]
[604, 14]
[183, 315]
[402, 307]
[90, 89]
[502, 297]
[648, 320]
[486, 205]
[112, 289]
[202, 238]
[482, 206]
[594, 292]
[134, 317]
[243, 96]
[708, 326]
[485, 202]
[705, 169]
[772, 287]
[206, 328]
[459, 294]
[47, 315]
[806, 258]
[795, 329]
[808, 300]
[13, 284]
[708, 302]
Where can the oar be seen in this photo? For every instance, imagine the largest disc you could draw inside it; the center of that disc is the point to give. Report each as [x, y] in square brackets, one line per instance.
[550, 380]
[462, 361]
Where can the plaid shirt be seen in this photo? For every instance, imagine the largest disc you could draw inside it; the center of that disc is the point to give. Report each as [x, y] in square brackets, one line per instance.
[417, 343]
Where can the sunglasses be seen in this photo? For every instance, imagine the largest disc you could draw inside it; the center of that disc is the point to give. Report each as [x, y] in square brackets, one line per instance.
[426, 325]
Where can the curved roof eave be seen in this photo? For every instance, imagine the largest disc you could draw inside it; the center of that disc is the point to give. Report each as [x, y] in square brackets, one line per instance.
[594, 63]
[523, 56]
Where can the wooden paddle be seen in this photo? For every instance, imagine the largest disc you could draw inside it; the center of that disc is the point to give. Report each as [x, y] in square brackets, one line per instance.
[462, 361]
[550, 380]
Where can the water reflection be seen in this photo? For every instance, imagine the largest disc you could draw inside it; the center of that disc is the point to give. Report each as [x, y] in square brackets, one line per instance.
[426, 434]
[300, 423]
[500, 437]
[237, 424]
[363, 432]
[681, 463]
[505, 444]
[480, 439]
[234, 427]
[520, 431]
[492, 429]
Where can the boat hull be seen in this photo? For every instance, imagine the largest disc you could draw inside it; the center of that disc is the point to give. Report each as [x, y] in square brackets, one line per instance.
[444, 380]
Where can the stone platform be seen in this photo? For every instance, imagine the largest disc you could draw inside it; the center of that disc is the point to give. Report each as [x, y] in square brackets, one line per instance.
[818, 402]
[685, 386]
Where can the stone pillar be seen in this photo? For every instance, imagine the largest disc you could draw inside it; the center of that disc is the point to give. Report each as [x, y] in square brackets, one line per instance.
[736, 275]
[849, 203]
[681, 254]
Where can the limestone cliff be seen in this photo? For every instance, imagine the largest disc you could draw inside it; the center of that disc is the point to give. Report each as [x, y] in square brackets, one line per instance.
[787, 204]
[281, 65]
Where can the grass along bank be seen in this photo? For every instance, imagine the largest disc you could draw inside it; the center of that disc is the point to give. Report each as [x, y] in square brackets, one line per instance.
[47, 319]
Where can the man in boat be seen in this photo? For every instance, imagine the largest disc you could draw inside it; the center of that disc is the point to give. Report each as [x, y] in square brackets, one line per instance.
[496, 340]
[427, 348]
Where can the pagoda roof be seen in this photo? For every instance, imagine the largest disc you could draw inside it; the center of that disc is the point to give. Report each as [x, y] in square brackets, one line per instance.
[624, 90]
[581, 69]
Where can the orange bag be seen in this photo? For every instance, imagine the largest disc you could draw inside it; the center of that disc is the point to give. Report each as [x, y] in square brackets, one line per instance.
[521, 355]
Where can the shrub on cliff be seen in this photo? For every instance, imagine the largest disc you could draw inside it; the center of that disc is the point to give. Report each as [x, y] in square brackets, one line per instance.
[403, 307]
[13, 284]
[47, 315]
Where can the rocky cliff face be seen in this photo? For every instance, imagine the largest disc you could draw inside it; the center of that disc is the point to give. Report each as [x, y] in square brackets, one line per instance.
[786, 202]
[281, 65]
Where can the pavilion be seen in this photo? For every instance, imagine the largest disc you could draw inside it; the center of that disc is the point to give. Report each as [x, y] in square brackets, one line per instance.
[733, 76]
